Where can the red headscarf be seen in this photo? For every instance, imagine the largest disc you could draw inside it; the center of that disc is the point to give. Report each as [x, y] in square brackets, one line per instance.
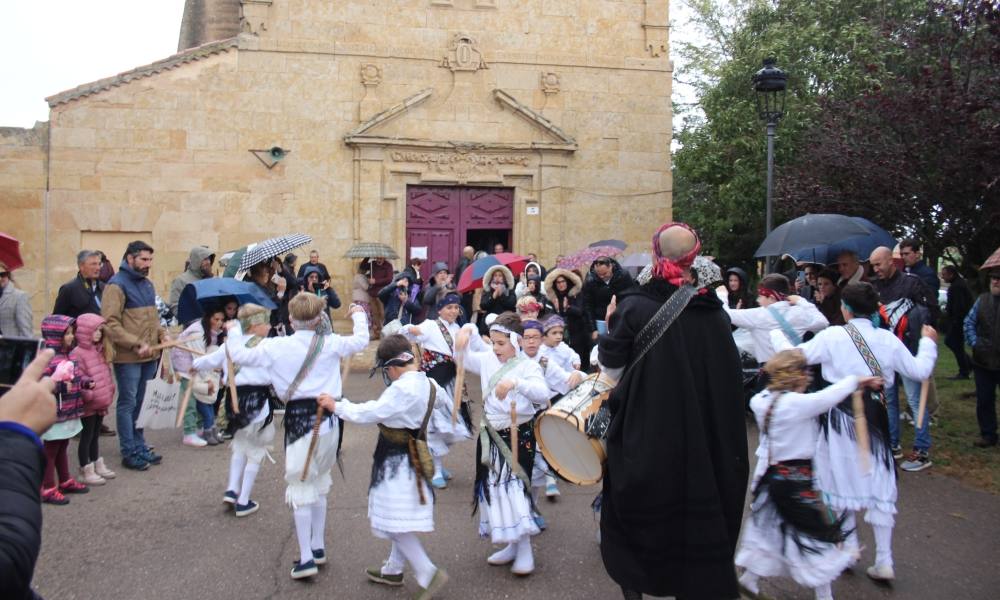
[769, 293]
[673, 270]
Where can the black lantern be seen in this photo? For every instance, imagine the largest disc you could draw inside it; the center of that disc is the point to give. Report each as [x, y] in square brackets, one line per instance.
[770, 83]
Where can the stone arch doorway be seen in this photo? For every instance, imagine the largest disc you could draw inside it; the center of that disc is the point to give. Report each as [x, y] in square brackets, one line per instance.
[444, 219]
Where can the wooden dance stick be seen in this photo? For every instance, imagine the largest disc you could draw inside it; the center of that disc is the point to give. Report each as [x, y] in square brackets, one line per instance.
[312, 441]
[177, 342]
[231, 368]
[513, 433]
[184, 403]
[459, 386]
[925, 387]
[861, 431]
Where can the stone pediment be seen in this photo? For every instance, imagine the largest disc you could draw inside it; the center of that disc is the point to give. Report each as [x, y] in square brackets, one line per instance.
[411, 124]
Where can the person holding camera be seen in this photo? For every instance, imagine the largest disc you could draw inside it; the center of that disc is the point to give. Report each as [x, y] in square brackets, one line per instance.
[395, 298]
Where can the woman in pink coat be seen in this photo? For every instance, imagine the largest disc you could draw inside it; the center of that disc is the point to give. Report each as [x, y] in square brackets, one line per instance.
[93, 357]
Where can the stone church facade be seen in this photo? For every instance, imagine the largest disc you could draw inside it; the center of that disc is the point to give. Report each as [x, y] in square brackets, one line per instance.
[544, 124]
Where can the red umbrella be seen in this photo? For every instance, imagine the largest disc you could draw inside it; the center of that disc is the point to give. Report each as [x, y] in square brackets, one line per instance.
[10, 252]
[582, 259]
[472, 276]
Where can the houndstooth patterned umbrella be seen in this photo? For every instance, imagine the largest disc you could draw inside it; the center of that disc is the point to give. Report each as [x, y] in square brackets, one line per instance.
[268, 249]
[371, 250]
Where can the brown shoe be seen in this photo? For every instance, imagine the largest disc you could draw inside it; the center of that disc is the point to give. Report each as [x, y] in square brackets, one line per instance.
[984, 442]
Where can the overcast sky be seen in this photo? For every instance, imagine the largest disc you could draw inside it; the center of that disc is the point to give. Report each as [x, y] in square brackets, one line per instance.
[50, 46]
[53, 45]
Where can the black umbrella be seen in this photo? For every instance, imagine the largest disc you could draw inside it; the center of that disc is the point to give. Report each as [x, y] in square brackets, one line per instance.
[807, 232]
[268, 249]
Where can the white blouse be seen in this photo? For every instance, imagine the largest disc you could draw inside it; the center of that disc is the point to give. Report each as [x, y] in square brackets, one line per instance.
[567, 358]
[834, 349]
[431, 338]
[245, 375]
[402, 405]
[802, 317]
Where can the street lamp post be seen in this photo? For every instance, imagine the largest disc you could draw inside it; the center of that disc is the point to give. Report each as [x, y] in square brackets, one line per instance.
[769, 84]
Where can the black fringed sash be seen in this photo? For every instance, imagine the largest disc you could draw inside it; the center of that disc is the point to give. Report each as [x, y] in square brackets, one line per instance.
[253, 399]
[300, 416]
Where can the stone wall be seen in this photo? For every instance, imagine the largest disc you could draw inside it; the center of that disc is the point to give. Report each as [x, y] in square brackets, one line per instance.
[566, 101]
[23, 156]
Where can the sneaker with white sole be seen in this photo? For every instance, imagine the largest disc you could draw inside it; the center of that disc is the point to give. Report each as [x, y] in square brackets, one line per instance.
[439, 482]
[881, 572]
[303, 570]
[391, 579]
[194, 441]
[897, 452]
[918, 460]
[551, 491]
[319, 556]
[245, 510]
[230, 497]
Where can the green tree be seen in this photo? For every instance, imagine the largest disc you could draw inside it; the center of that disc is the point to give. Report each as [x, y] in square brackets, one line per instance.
[834, 48]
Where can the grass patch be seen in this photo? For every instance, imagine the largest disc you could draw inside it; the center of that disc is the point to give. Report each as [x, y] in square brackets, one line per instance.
[955, 430]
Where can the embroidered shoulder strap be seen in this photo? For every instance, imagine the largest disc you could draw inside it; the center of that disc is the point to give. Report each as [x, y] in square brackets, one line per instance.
[785, 326]
[658, 325]
[446, 335]
[767, 426]
[315, 348]
[510, 364]
[863, 349]
[430, 409]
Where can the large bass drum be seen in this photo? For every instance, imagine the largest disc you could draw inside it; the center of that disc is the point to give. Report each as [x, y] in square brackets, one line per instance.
[571, 433]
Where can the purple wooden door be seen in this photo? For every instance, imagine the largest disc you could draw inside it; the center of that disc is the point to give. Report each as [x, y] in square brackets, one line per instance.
[439, 218]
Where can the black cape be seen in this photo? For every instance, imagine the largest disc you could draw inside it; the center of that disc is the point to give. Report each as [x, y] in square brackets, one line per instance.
[677, 464]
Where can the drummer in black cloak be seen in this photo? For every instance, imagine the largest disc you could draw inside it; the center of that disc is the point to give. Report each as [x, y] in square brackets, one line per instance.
[672, 500]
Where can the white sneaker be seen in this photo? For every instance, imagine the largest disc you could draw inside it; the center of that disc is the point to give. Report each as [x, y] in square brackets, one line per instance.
[193, 440]
[504, 556]
[881, 572]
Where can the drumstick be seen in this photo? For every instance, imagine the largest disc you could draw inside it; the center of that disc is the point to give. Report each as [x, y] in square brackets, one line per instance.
[513, 433]
[459, 386]
[925, 387]
[184, 402]
[861, 431]
[232, 382]
[312, 441]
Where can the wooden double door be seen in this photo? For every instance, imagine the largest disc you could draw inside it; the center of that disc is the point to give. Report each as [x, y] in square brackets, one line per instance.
[446, 219]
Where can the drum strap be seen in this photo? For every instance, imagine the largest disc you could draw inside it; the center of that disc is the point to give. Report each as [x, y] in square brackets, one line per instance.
[661, 321]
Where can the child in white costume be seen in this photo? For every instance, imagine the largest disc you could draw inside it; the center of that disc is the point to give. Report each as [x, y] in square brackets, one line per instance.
[555, 348]
[437, 340]
[400, 503]
[860, 348]
[790, 531]
[502, 493]
[560, 381]
[252, 428]
[302, 366]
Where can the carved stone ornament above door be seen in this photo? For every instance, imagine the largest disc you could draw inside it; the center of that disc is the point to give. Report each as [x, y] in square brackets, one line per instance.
[464, 55]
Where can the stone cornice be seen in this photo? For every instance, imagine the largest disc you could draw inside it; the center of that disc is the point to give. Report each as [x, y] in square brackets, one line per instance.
[172, 62]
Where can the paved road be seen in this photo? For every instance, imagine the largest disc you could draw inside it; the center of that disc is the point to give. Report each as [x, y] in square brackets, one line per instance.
[164, 534]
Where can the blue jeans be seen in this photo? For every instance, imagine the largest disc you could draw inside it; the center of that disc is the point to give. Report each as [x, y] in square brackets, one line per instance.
[131, 378]
[922, 440]
[207, 414]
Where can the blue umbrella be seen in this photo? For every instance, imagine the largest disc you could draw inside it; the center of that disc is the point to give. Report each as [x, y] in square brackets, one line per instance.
[215, 290]
[860, 244]
[472, 276]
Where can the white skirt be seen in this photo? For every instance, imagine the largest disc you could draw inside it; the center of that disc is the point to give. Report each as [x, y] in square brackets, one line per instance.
[318, 480]
[507, 517]
[767, 552]
[838, 472]
[253, 441]
[394, 503]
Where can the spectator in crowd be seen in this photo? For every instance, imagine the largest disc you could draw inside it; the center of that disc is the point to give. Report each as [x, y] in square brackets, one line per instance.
[958, 304]
[15, 309]
[312, 283]
[379, 275]
[982, 332]
[133, 326]
[913, 263]
[107, 269]
[497, 294]
[908, 306]
[441, 282]
[850, 268]
[737, 284]
[359, 293]
[199, 266]
[314, 262]
[290, 262]
[468, 257]
[563, 289]
[82, 294]
[827, 296]
[274, 287]
[397, 300]
[606, 279]
[27, 411]
[412, 270]
[498, 248]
